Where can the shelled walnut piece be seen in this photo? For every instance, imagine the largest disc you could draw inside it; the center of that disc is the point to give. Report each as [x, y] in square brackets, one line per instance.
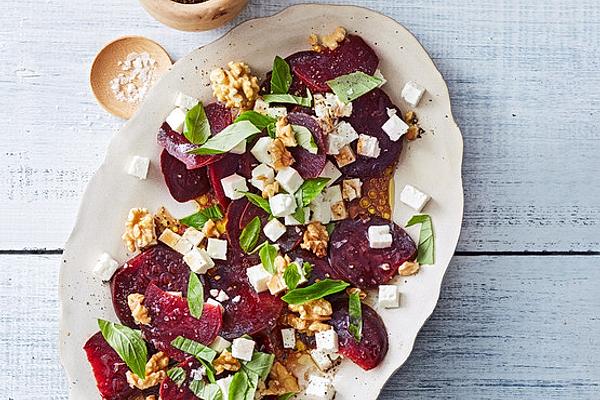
[280, 155]
[270, 190]
[280, 381]
[139, 229]
[139, 312]
[315, 239]
[414, 130]
[311, 316]
[284, 131]
[156, 372]
[330, 41]
[226, 362]
[211, 230]
[408, 268]
[236, 87]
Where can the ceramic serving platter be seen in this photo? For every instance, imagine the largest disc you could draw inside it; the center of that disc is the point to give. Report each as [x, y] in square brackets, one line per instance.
[432, 163]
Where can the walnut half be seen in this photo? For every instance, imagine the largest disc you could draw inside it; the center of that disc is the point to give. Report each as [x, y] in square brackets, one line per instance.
[139, 229]
[156, 372]
[315, 239]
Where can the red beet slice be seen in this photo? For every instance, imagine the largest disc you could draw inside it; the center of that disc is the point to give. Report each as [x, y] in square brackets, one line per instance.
[109, 370]
[160, 265]
[373, 346]
[170, 318]
[369, 113]
[354, 261]
[225, 166]
[321, 268]
[177, 145]
[169, 389]
[307, 164]
[315, 69]
[184, 184]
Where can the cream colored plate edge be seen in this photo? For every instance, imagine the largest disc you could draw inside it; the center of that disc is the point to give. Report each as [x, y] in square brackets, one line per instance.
[432, 164]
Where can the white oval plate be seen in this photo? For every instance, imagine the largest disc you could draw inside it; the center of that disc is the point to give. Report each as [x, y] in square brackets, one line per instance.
[432, 163]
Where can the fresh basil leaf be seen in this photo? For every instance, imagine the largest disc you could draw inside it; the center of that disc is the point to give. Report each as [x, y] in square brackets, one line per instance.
[426, 248]
[195, 295]
[311, 188]
[197, 126]
[305, 139]
[286, 396]
[267, 254]
[249, 235]
[128, 344]
[258, 201]
[281, 76]
[272, 130]
[204, 391]
[260, 364]
[352, 86]
[227, 139]
[252, 386]
[307, 269]
[198, 350]
[238, 386]
[257, 119]
[177, 375]
[197, 220]
[289, 99]
[355, 316]
[291, 276]
[330, 227]
[317, 290]
[299, 214]
[208, 369]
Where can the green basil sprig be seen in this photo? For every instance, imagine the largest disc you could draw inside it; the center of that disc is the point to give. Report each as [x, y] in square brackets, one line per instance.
[227, 139]
[267, 254]
[305, 138]
[281, 76]
[259, 120]
[258, 201]
[206, 391]
[355, 315]
[426, 248]
[351, 86]
[195, 295]
[289, 99]
[177, 375]
[311, 188]
[197, 220]
[128, 344]
[198, 350]
[292, 276]
[197, 126]
[238, 386]
[315, 291]
[249, 235]
[260, 364]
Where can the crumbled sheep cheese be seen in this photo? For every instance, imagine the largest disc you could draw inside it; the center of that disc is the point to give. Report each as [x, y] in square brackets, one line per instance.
[214, 292]
[185, 102]
[414, 198]
[137, 76]
[319, 388]
[224, 384]
[242, 348]
[351, 189]
[222, 296]
[321, 359]
[183, 246]
[261, 106]
[274, 229]
[193, 235]
[261, 176]
[412, 93]
[334, 143]
[198, 260]
[282, 204]
[330, 106]
[289, 179]
[395, 127]
[169, 238]
[234, 186]
[368, 146]
[176, 119]
[220, 344]
[261, 150]
[346, 131]
[321, 211]
[198, 373]
[288, 336]
[327, 341]
[330, 171]
[389, 296]
[379, 236]
[105, 267]
[390, 111]
[289, 220]
[138, 167]
[258, 277]
[217, 248]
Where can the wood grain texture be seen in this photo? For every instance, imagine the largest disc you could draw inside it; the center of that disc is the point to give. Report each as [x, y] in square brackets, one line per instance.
[505, 327]
[523, 79]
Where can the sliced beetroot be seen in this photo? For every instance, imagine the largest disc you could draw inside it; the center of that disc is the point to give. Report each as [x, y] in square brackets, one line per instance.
[354, 261]
[184, 184]
[307, 164]
[225, 166]
[315, 69]
[178, 146]
[320, 266]
[170, 317]
[369, 113]
[169, 389]
[109, 370]
[373, 346]
[160, 265]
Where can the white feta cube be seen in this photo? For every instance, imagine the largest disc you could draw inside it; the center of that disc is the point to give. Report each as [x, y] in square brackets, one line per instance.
[276, 285]
[412, 93]
[214, 292]
[224, 384]
[289, 179]
[276, 112]
[327, 341]
[261, 106]
[379, 75]
[351, 189]
[274, 229]
[183, 246]
[217, 248]
[330, 171]
[282, 204]
[220, 344]
[335, 143]
[138, 167]
[240, 148]
[321, 211]
[262, 175]
[169, 238]
[185, 102]
[261, 150]
[236, 299]
[288, 337]
[176, 119]
[222, 296]
[289, 220]
[346, 131]
[258, 277]
[105, 267]
[379, 236]
[319, 388]
[395, 127]
[330, 106]
[414, 198]
[215, 303]
[368, 146]
[391, 111]
[321, 359]
[198, 260]
[242, 348]
[389, 296]
[193, 235]
[234, 186]
[333, 194]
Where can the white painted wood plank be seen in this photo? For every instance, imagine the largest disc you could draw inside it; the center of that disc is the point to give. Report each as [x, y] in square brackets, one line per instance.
[506, 327]
[522, 75]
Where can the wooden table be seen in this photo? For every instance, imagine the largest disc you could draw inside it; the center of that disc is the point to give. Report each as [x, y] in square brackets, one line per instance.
[519, 315]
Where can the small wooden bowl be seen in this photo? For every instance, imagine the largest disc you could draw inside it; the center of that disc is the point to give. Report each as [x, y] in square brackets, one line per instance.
[194, 17]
